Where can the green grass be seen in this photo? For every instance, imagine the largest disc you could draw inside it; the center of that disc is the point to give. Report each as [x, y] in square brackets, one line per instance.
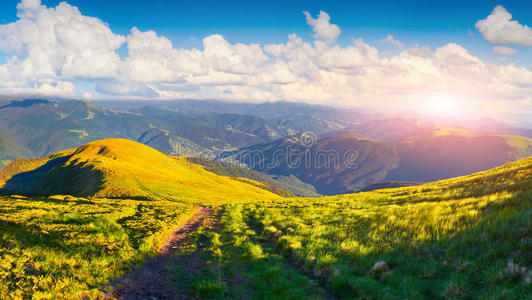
[240, 265]
[64, 247]
[469, 237]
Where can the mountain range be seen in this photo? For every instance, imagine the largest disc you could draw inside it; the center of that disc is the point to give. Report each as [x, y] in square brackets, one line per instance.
[348, 162]
[388, 149]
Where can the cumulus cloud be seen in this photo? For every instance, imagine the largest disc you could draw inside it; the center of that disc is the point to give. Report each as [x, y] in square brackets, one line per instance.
[322, 27]
[57, 43]
[505, 51]
[49, 48]
[53, 89]
[499, 28]
[390, 39]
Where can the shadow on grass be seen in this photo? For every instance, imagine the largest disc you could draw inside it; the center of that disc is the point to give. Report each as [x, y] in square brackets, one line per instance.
[56, 178]
[29, 236]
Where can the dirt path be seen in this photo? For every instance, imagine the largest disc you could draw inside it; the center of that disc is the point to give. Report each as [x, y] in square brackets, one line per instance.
[154, 279]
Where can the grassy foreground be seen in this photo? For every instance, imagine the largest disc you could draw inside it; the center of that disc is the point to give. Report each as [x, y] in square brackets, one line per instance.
[64, 247]
[469, 237]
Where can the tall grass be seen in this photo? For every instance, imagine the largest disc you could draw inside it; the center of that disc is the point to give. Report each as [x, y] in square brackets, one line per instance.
[468, 237]
[67, 247]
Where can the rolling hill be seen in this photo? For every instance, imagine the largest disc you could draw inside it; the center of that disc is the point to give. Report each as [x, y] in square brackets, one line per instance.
[119, 168]
[436, 154]
[464, 238]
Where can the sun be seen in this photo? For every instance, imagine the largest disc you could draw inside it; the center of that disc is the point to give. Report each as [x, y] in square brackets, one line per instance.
[444, 106]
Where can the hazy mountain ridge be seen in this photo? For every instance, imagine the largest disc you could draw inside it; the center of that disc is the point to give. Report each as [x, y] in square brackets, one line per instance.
[318, 166]
[434, 155]
[397, 148]
[45, 126]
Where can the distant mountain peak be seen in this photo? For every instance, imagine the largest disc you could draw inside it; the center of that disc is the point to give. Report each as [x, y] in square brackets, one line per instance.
[27, 103]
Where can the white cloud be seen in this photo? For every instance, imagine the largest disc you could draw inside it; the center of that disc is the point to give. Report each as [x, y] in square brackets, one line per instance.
[505, 51]
[55, 89]
[498, 28]
[392, 41]
[153, 59]
[322, 27]
[57, 43]
[68, 47]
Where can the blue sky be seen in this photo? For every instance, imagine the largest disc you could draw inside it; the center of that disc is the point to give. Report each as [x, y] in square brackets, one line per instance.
[248, 55]
[432, 23]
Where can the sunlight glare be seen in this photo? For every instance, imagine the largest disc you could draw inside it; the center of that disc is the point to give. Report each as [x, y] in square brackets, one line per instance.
[443, 106]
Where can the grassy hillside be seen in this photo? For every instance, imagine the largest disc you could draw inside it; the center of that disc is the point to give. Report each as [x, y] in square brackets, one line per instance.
[464, 238]
[96, 212]
[64, 247]
[117, 168]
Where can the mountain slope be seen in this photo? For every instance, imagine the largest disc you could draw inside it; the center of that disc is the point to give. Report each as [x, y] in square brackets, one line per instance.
[118, 168]
[45, 127]
[463, 238]
[9, 149]
[329, 164]
[436, 154]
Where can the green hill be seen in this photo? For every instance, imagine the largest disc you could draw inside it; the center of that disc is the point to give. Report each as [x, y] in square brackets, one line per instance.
[463, 238]
[118, 168]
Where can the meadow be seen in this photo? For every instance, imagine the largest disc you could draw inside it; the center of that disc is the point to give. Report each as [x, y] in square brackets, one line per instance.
[70, 247]
[464, 238]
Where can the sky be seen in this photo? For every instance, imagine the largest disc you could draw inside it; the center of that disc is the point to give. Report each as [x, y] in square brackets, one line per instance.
[446, 57]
